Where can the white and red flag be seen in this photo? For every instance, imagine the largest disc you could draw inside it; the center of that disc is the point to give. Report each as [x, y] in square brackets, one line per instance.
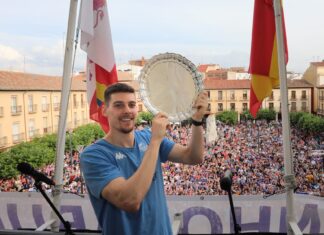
[101, 67]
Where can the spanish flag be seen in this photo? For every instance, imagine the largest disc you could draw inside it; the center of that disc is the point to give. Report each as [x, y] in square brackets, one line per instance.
[264, 68]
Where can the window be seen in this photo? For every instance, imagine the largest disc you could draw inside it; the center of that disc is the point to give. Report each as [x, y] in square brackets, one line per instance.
[30, 103]
[14, 107]
[56, 103]
[208, 94]
[271, 106]
[75, 119]
[303, 94]
[304, 106]
[140, 108]
[44, 104]
[271, 96]
[245, 92]
[31, 128]
[220, 95]
[15, 132]
[220, 107]
[75, 102]
[232, 95]
[245, 106]
[82, 101]
[45, 125]
[209, 107]
[293, 95]
[232, 106]
[293, 106]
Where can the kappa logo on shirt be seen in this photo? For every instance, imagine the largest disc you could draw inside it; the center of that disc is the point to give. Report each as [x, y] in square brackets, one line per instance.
[142, 147]
[119, 156]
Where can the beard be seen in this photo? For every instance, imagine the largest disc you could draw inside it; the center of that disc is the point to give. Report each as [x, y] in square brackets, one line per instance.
[126, 130]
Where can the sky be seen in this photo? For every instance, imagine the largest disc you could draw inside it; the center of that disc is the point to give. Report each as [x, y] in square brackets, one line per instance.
[33, 32]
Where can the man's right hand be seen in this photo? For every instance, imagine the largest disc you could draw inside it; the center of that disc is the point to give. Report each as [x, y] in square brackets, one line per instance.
[159, 125]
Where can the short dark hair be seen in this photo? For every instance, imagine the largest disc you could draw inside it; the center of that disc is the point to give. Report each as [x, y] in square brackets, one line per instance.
[116, 88]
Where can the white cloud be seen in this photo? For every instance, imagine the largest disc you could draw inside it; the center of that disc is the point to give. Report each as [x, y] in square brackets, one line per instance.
[9, 54]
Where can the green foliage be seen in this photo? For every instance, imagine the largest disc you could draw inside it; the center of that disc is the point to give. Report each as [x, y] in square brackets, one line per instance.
[246, 115]
[228, 117]
[85, 135]
[266, 114]
[294, 117]
[41, 151]
[310, 123]
[144, 116]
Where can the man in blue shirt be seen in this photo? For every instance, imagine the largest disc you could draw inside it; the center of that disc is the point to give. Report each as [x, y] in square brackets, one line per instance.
[123, 170]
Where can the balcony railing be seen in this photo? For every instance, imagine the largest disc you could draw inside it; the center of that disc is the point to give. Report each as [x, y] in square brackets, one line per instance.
[45, 107]
[3, 141]
[18, 138]
[16, 110]
[32, 108]
[33, 133]
[1, 112]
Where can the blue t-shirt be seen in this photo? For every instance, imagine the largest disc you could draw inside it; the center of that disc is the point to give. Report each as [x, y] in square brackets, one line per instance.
[102, 162]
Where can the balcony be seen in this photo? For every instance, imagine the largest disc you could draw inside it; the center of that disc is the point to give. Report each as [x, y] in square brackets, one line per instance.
[1, 112]
[18, 138]
[45, 107]
[33, 133]
[16, 110]
[47, 130]
[32, 108]
[3, 141]
[56, 106]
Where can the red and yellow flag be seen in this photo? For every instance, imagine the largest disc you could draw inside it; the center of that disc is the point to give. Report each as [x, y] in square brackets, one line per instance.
[101, 67]
[264, 68]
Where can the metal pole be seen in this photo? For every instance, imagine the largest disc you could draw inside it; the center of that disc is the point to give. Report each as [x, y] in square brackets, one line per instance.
[289, 174]
[71, 155]
[61, 135]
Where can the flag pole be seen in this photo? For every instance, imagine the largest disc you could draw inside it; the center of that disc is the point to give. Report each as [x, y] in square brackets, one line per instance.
[61, 134]
[290, 183]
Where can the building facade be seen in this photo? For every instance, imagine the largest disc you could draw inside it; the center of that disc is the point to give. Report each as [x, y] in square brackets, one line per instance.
[226, 95]
[315, 75]
[30, 106]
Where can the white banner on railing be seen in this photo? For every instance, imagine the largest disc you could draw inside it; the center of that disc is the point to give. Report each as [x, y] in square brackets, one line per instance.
[208, 214]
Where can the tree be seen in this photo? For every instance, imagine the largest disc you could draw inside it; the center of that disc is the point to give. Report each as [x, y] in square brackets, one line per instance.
[228, 117]
[266, 114]
[144, 116]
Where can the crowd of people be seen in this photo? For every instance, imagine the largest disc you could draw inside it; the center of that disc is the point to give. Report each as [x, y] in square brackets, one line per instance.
[251, 150]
